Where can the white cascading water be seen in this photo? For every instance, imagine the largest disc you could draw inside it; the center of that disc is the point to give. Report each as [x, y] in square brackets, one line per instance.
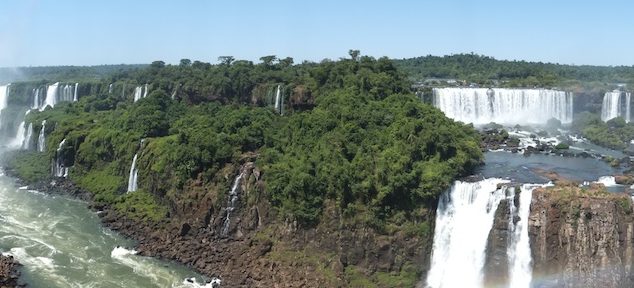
[26, 144]
[58, 168]
[504, 106]
[36, 98]
[140, 92]
[614, 105]
[110, 89]
[132, 178]
[277, 100]
[41, 139]
[51, 96]
[231, 203]
[607, 181]
[20, 135]
[75, 96]
[519, 250]
[4, 96]
[464, 219]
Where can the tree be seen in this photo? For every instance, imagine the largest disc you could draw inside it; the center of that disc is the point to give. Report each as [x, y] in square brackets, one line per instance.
[354, 54]
[185, 62]
[226, 60]
[286, 62]
[157, 64]
[268, 60]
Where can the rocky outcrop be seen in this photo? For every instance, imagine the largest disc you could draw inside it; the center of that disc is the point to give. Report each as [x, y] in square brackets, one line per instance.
[497, 264]
[581, 237]
[9, 273]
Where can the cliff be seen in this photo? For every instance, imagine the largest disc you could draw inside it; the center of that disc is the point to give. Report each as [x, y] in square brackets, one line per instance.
[581, 237]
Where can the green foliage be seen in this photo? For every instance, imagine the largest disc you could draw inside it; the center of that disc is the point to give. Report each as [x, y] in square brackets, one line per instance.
[487, 70]
[353, 135]
[30, 166]
[562, 146]
[614, 134]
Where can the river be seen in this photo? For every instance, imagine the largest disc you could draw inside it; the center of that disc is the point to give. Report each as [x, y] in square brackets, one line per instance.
[61, 243]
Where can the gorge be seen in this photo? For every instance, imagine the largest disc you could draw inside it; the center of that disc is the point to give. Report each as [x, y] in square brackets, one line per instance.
[293, 177]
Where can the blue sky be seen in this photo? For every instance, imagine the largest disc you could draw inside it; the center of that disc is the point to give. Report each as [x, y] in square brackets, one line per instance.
[60, 32]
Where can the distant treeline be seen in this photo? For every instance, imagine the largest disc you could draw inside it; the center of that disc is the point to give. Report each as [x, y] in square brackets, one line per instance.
[481, 69]
[67, 73]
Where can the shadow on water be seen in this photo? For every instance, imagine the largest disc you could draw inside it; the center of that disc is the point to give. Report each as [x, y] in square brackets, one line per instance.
[519, 168]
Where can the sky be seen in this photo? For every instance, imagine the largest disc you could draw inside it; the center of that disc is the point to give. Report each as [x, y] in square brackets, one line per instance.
[63, 32]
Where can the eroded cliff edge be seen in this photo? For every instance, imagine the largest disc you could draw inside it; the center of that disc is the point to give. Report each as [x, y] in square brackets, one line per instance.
[581, 237]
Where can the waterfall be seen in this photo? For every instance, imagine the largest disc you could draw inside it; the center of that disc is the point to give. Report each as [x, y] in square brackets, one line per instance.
[26, 144]
[75, 98]
[616, 106]
[505, 106]
[519, 252]
[41, 139]
[36, 98]
[4, 96]
[140, 92]
[51, 96]
[277, 100]
[231, 203]
[132, 179]
[20, 135]
[463, 221]
[58, 167]
[110, 89]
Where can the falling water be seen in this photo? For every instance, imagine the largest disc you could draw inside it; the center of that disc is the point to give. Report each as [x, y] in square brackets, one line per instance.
[463, 221]
[140, 92]
[616, 106]
[110, 89]
[75, 97]
[132, 179]
[41, 139]
[505, 106]
[231, 203]
[36, 98]
[519, 252]
[58, 168]
[26, 144]
[20, 135]
[51, 96]
[4, 96]
[277, 100]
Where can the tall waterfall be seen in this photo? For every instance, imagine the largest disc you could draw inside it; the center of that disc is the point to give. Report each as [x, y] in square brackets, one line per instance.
[37, 98]
[132, 178]
[51, 96]
[56, 93]
[519, 252]
[41, 139]
[110, 89]
[614, 105]
[75, 97]
[231, 203]
[464, 219]
[504, 106]
[277, 100]
[58, 169]
[140, 92]
[4, 96]
[20, 135]
[26, 144]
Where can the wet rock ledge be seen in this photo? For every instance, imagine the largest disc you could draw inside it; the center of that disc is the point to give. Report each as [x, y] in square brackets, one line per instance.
[9, 272]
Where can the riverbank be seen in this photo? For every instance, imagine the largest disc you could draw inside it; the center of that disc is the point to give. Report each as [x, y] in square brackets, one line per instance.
[259, 251]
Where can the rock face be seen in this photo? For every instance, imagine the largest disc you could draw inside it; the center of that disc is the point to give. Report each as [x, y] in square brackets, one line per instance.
[581, 239]
[497, 264]
[9, 273]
